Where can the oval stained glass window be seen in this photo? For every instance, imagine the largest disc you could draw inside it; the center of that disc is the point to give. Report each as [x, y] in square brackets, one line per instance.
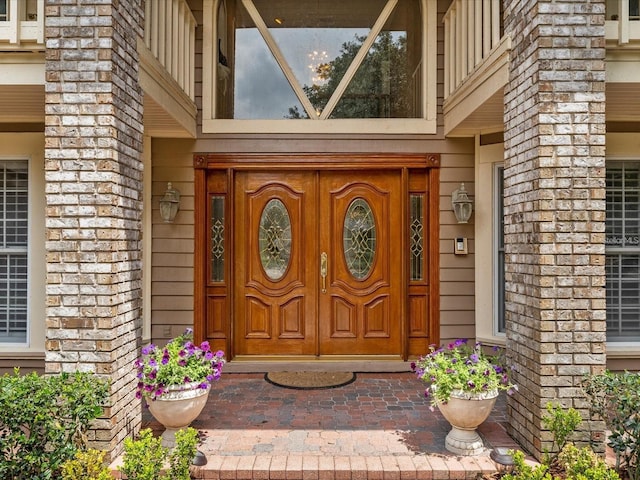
[359, 238]
[274, 239]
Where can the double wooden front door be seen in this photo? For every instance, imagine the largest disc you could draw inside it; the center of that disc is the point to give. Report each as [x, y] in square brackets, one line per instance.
[318, 269]
[316, 255]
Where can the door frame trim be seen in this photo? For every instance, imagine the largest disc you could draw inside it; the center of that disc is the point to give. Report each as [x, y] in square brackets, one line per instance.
[204, 162]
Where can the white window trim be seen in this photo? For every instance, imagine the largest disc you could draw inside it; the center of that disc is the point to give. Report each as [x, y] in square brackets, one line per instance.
[395, 126]
[485, 218]
[622, 349]
[30, 147]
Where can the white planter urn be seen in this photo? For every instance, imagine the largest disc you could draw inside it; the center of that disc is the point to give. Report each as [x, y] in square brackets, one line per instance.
[177, 408]
[465, 412]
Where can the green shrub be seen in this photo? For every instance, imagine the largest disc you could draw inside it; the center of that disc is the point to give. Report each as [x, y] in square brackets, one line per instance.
[183, 454]
[572, 464]
[561, 423]
[86, 465]
[44, 420]
[145, 457]
[615, 397]
[583, 463]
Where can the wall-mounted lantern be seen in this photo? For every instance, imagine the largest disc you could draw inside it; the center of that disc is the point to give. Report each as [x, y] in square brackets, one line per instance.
[462, 204]
[169, 204]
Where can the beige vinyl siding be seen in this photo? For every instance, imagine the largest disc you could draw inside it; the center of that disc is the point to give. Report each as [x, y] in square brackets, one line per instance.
[172, 243]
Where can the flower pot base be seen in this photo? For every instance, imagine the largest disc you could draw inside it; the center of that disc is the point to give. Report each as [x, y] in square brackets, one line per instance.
[464, 442]
[169, 437]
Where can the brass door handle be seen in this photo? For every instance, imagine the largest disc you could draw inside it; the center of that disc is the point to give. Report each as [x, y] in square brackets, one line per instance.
[323, 271]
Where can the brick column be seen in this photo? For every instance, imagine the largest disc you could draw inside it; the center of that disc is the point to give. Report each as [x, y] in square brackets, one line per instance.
[554, 209]
[93, 134]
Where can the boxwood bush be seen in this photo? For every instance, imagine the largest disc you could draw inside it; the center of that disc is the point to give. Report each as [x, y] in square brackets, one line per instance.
[43, 421]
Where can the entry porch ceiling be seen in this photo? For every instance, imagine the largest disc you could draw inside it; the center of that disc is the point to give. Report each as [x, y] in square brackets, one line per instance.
[22, 109]
[622, 105]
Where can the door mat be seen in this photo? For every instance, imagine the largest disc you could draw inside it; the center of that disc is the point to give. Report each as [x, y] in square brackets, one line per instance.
[310, 380]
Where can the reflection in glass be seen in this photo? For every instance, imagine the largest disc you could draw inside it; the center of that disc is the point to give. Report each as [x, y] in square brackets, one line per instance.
[217, 239]
[261, 89]
[318, 41]
[359, 238]
[274, 239]
[387, 79]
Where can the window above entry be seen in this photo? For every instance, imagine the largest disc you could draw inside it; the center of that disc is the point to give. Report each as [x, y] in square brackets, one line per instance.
[308, 66]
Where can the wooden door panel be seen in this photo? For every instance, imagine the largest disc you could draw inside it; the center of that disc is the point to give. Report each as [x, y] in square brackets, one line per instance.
[276, 298]
[377, 318]
[360, 313]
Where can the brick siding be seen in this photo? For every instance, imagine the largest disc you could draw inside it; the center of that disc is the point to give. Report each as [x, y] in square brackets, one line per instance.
[554, 209]
[93, 169]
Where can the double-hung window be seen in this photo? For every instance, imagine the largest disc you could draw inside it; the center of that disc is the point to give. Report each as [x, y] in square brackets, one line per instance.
[623, 251]
[14, 182]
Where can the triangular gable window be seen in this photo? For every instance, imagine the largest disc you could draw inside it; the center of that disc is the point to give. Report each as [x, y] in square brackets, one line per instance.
[319, 61]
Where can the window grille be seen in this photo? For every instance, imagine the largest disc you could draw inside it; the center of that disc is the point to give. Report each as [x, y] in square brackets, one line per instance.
[13, 250]
[623, 251]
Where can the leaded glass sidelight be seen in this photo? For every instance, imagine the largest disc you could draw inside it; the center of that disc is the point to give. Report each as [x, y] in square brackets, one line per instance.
[359, 238]
[217, 239]
[417, 236]
[274, 239]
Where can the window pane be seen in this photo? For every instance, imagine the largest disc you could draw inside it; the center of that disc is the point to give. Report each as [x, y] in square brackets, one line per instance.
[385, 83]
[623, 251]
[499, 235]
[359, 238]
[260, 88]
[274, 239]
[417, 236]
[217, 239]
[318, 42]
[3, 11]
[13, 251]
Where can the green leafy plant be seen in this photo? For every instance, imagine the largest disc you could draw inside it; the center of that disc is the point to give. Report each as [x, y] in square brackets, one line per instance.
[460, 367]
[86, 465]
[143, 457]
[561, 423]
[615, 397]
[180, 363]
[182, 455]
[583, 463]
[573, 464]
[44, 420]
[146, 459]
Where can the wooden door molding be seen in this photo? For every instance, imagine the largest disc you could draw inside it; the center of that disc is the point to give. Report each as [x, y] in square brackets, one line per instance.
[214, 306]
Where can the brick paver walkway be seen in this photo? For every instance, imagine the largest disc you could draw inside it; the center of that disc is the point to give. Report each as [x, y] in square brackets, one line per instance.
[378, 427]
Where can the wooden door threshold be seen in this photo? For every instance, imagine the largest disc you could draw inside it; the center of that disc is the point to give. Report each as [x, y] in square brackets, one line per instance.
[355, 363]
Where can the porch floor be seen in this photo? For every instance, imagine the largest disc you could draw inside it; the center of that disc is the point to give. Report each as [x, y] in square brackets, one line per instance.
[378, 427]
